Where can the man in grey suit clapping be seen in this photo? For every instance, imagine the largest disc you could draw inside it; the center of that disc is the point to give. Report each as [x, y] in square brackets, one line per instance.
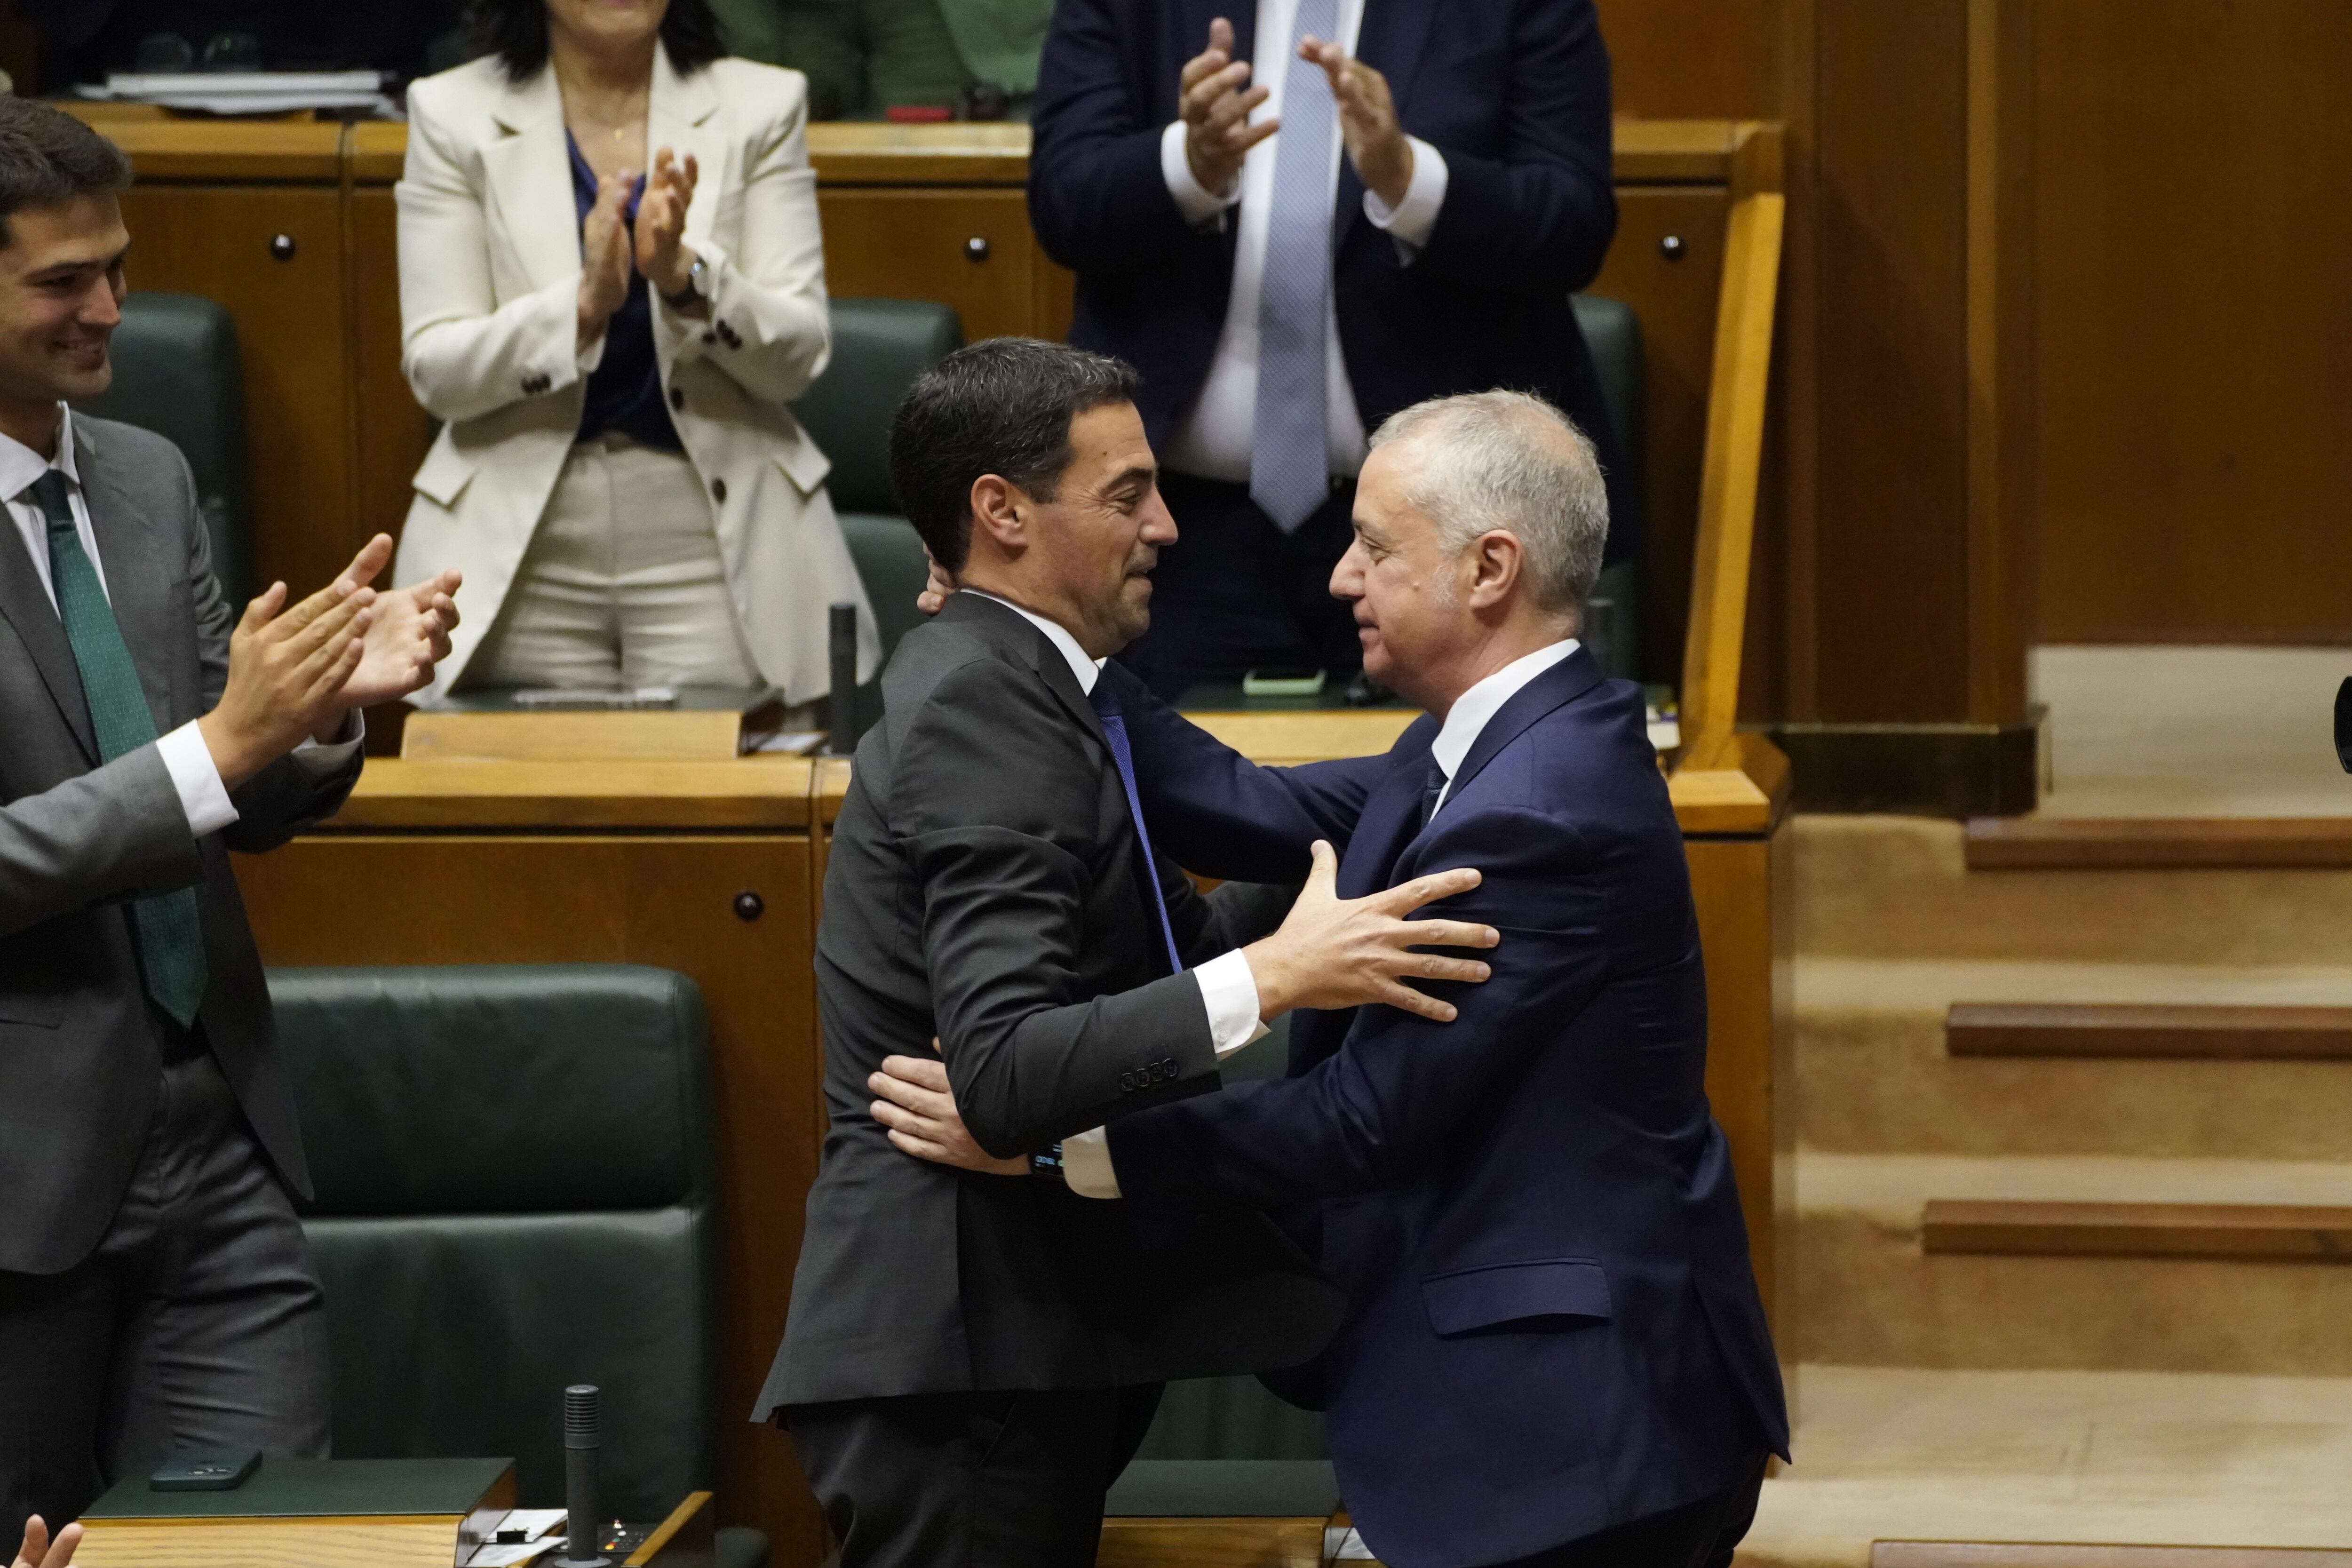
[155, 1290]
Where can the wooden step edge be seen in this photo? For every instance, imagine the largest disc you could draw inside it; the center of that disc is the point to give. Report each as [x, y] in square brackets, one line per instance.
[2279, 1233]
[2186, 843]
[2167, 1032]
[2027, 1555]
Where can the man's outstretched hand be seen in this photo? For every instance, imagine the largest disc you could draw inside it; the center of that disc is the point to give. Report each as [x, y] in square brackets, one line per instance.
[1332, 952]
[40, 1551]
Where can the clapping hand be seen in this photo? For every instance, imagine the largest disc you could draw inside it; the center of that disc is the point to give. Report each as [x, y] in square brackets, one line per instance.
[40, 1551]
[662, 254]
[407, 634]
[604, 254]
[1377, 144]
[1216, 110]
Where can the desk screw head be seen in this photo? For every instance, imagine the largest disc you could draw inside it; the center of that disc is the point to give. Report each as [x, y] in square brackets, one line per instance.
[976, 249]
[1672, 248]
[750, 907]
[282, 247]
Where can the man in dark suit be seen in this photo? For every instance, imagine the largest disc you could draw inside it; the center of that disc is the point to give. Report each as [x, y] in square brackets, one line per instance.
[971, 1358]
[1555, 1355]
[1281, 299]
[155, 1290]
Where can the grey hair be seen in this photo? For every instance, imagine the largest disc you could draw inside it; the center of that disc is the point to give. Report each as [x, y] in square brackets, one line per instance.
[1510, 460]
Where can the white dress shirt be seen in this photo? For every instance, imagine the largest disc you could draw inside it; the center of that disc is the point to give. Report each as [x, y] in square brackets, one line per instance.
[185, 757]
[1213, 438]
[1085, 1160]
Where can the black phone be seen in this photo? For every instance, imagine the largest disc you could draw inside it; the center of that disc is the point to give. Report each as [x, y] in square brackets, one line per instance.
[218, 1469]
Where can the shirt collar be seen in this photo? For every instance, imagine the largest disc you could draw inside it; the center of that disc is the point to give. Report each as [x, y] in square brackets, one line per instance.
[1087, 671]
[1473, 709]
[20, 465]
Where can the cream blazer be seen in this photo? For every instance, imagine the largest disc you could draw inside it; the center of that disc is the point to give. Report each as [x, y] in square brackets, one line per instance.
[489, 277]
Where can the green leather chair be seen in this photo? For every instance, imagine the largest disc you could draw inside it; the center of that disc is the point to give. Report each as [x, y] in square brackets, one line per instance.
[177, 373]
[1614, 336]
[879, 346]
[516, 1193]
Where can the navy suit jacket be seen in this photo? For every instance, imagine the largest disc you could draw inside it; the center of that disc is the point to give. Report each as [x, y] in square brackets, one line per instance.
[1554, 1326]
[1514, 92]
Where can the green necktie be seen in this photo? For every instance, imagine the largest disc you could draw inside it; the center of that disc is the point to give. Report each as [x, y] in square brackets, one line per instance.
[171, 939]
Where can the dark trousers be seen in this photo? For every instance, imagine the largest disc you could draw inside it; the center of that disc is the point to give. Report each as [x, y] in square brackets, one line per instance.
[197, 1320]
[971, 1480]
[1701, 1534]
[1236, 594]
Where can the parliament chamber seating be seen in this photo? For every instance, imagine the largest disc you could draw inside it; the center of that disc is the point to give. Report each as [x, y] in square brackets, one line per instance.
[516, 1192]
[177, 373]
[1613, 334]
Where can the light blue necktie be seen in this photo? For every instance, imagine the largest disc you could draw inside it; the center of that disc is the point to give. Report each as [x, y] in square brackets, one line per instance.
[1290, 460]
[171, 932]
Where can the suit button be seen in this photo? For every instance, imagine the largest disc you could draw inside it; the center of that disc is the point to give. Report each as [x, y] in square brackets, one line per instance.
[708, 338]
[718, 491]
[676, 398]
[1127, 1083]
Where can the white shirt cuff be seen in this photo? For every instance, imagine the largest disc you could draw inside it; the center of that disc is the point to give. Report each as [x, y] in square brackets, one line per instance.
[590, 354]
[1194, 200]
[197, 779]
[326, 756]
[1229, 991]
[1409, 222]
[1087, 1167]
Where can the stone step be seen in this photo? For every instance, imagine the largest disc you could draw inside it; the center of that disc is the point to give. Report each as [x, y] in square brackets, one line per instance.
[1889, 1453]
[2308, 1233]
[1872, 1293]
[1900, 887]
[2133, 1031]
[2042, 1554]
[2051, 843]
[1874, 1074]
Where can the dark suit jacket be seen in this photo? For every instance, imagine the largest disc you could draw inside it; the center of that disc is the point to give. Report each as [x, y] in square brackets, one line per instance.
[1514, 92]
[1554, 1325]
[985, 887]
[79, 1046]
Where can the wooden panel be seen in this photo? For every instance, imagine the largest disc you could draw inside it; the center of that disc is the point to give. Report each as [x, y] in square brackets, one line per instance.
[1674, 299]
[768, 792]
[1211, 1544]
[215, 240]
[164, 146]
[365, 1543]
[1716, 57]
[2193, 234]
[683, 1539]
[2271, 1232]
[390, 432]
[2209, 1033]
[2000, 1554]
[666, 900]
[911, 245]
[2058, 843]
[1891, 524]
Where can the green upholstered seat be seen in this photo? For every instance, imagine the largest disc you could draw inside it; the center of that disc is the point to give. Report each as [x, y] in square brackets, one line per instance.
[1614, 335]
[879, 346]
[515, 1193]
[177, 373]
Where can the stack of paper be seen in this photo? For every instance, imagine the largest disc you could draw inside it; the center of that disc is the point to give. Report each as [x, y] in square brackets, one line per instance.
[250, 92]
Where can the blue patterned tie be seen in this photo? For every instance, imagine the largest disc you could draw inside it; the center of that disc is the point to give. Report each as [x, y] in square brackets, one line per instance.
[1123, 758]
[1290, 455]
[171, 935]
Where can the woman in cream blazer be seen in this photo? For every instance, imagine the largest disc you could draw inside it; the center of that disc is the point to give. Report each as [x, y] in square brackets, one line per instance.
[608, 561]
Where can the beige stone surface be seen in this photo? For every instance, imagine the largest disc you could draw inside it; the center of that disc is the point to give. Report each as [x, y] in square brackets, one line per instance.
[2137, 1457]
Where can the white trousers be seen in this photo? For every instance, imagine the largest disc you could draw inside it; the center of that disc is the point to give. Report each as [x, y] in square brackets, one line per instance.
[623, 583]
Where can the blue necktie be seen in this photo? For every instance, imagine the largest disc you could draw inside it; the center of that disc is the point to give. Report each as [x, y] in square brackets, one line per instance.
[1290, 449]
[1115, 731]
[171, 931]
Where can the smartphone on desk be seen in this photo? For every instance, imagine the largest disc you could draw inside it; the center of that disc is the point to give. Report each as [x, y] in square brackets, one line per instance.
[1284, 680]
[215, 1470]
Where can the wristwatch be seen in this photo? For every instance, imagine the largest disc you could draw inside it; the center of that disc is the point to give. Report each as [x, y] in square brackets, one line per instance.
[1048, 1163]
[692, 293]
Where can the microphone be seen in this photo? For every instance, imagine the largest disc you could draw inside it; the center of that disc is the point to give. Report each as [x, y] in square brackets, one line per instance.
[584, 1440]
[844, 637]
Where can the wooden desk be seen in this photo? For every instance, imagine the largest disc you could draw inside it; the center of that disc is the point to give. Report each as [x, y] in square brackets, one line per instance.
[703, 868]
[336, 437]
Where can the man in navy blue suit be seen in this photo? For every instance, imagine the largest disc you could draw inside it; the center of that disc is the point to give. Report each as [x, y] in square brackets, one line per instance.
[1555, 1354]
[1295, 218]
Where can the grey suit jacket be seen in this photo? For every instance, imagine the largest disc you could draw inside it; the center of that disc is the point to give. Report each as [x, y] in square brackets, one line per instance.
[79, 1046]
[985, 885]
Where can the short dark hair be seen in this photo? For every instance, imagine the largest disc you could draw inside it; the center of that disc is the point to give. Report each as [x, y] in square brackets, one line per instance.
[516, 31]
[48, 156]
[1003, 407]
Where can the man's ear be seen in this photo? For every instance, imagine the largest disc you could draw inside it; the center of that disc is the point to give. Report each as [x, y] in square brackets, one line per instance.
[1498, 561]
[996, 504]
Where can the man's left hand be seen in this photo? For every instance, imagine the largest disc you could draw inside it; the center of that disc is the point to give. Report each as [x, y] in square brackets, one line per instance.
[1377, 144]
[40, 1551]
[919, 1108]
[408, 634]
